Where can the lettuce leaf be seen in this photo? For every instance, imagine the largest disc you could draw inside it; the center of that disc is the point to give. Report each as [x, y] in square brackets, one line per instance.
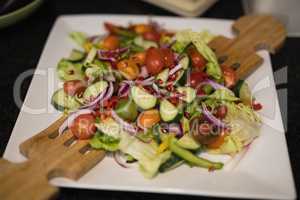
[79, 37]
[223, 95]
[244, 122]
[103, 141]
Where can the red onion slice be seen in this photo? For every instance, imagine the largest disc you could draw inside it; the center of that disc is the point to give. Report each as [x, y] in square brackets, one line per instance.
[144, 72]
[148, 81]
[124, 89]
[96, 100]
[69, 121]
[210, 117]
[118, 158]
[109, 92]
[175, 128]
[213, 84]
[125, 125]
[175, 69]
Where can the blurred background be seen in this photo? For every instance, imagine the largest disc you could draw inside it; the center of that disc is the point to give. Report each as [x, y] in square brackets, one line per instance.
[25, 25]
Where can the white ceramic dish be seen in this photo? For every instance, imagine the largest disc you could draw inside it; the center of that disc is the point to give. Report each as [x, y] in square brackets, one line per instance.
[264, 172]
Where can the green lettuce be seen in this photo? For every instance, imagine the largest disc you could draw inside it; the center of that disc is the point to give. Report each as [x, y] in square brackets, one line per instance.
[105, 142]
[223, 95]
[79, 37]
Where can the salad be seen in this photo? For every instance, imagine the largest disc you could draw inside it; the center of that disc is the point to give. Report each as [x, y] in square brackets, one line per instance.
[154, 97]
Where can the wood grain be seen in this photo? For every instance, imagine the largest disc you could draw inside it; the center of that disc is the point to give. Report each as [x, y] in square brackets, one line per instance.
[252, 33]
[50, 155]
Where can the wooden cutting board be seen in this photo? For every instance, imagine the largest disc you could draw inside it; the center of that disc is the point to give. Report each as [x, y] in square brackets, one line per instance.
[50, 155]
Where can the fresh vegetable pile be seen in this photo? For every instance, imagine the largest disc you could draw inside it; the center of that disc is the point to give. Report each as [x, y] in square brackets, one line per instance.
[154, 97]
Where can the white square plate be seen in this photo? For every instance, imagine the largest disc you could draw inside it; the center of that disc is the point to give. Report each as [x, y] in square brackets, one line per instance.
[264, 172]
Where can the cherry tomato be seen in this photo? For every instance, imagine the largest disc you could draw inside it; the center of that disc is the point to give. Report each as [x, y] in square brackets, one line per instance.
[74, 87]
[221, 111]
[83, 126]
[168, 56]
[154, 61]
[111, 42]
[219, 140]
[142, 28]
[149, 118]
[198, 61]
[128, 69]
[139, 58]
[152, 36]
[111, 27]
[229, 76]
[196, 78]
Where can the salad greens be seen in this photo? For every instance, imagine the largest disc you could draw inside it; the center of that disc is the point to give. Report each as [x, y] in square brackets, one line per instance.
[155, 98]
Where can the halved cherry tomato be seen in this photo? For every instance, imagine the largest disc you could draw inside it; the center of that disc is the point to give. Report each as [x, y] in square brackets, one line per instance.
[229, 76]
[196, 78]
[152, 36]
[128, 69]
[111, 42]
[154, 61]
[139, 58]
[221, 111]
[219, 140]
[111, 27]
[74, 87]
[83, 126]
[142, 28]
[198, 61]
[168, 56]
[149, 118]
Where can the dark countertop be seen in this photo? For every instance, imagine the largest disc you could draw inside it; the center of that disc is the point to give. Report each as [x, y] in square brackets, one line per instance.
[22, 44]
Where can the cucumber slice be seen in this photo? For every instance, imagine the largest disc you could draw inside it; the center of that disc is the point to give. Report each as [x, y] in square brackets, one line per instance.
[127, 109]
[90, 57]
[146, 44]
[68, 71]
[94, 90]
[188, 142]
[76, 55]
[181, 78]
[142, 98]
[185, 61]
[243, 91]
[163, 76]
[190, 94]
[167, 111]
[61, 101]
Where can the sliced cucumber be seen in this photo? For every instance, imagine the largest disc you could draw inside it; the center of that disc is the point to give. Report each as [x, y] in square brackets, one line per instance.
[146, 44]
[163, 77]
[68, 71]
[243, 91]
[90, 57]
[61, 101]
[185, 61]
[142, 98]
[190, 94]
[127, 109]
[167, 111]
[94, 90]
[188, 142]
[76, 55]
[181, 78]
